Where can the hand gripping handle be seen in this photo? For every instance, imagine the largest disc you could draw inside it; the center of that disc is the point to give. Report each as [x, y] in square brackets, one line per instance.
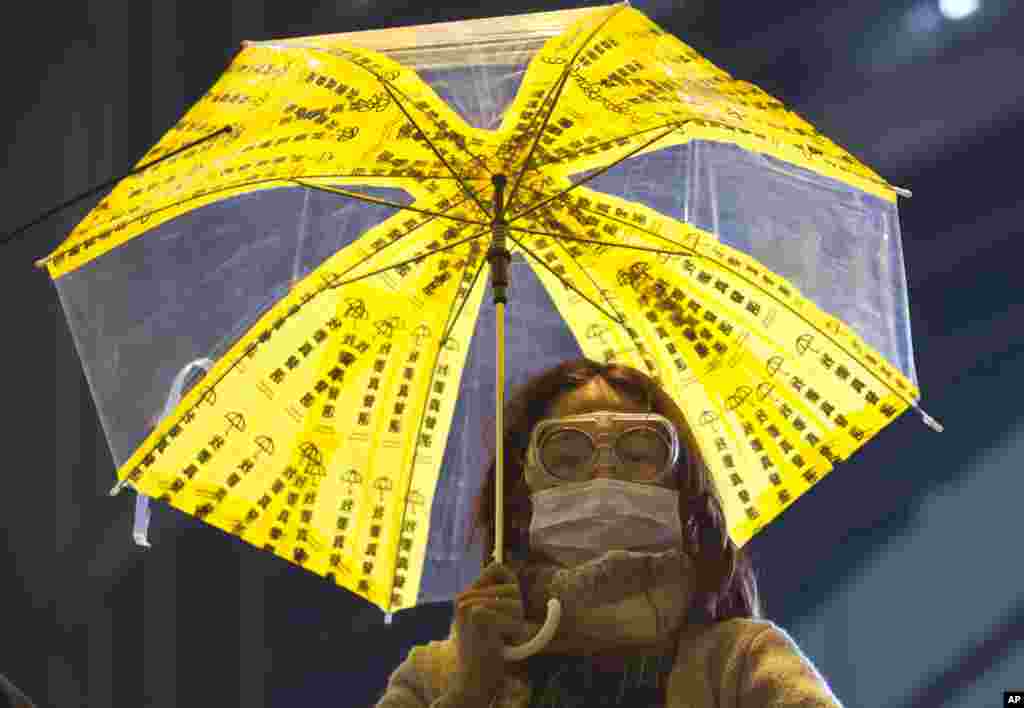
[541, 639]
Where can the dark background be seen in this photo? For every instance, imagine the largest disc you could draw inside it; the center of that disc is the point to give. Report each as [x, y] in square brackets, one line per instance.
[900, 574]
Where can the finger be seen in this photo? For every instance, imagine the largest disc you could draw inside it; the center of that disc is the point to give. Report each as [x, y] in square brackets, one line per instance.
[502, 591]
[467, 623]
[496, 574]
[487, 623]
[508, 608]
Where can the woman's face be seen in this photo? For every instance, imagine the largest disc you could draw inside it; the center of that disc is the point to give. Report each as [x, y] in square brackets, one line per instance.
[598, 395]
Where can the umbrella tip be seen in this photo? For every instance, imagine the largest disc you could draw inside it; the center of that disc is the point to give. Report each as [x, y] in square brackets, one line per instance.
[929, 421]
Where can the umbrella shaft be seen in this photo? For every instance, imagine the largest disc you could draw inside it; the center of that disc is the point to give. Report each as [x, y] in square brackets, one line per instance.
[499, 458]
[499, 258]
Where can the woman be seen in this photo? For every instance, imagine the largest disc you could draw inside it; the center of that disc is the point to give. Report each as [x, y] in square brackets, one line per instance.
[610, 508]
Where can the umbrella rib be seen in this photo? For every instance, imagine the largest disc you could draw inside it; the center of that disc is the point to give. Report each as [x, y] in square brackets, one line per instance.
[430, 143]
[385, 202]
[736, 272]
[346, 282]
[589, 177]
[388, 87]
[602, 144]
[623, 222]
[251, 183]
[562, 80]
[172, 205]
[739, 274]
[622, 319]
[88, 193]
[564, 282]
[600, 290]
[366, 175]
[423, 416]
[402, 236]
[451, 326]
[414, 259]
[557, 89]
[687, 252]
[726, 267]
[479, 160]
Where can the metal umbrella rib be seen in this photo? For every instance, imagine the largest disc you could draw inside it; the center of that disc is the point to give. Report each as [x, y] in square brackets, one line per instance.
[391, 92]
[557, 90]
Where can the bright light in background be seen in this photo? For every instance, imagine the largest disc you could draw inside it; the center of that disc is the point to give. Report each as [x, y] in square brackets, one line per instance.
[926, 29]
[958, 9]
[927, 18]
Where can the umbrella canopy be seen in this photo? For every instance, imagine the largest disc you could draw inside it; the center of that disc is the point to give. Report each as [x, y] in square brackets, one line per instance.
[319, 259]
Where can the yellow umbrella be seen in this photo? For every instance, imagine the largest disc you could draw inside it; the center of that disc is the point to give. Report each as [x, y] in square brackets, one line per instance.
[313, 233]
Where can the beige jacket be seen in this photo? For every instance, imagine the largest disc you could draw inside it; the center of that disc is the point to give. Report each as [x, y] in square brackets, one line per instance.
[625, 602]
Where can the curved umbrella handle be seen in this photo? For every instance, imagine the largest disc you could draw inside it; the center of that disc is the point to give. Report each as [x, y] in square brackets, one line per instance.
[541, 639]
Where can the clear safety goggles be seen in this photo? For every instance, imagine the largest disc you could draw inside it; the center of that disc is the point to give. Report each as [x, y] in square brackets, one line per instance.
[640, 447]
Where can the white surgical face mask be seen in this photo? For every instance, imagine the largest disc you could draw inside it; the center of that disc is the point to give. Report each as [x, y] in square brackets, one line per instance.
[575, 523]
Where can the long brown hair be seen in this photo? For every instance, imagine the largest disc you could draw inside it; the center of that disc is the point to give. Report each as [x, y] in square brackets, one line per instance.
[726, 585]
